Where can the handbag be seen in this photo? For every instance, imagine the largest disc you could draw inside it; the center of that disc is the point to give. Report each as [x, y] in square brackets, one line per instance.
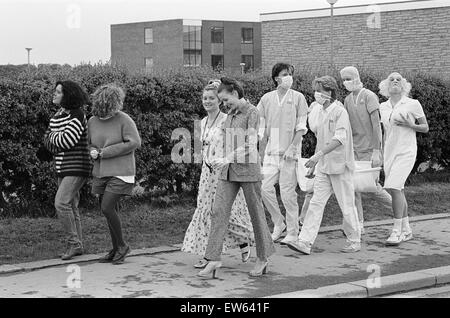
[305, 184]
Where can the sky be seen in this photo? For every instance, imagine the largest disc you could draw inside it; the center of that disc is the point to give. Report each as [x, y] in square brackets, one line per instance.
[78, 31]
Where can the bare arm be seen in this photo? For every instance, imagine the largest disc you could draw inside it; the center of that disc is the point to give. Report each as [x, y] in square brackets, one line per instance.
[376, 130]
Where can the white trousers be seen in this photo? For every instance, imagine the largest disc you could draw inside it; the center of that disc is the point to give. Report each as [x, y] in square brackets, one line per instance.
[324, 186]
[277, 170]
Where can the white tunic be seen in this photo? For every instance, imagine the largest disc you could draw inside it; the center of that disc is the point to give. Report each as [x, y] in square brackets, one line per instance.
[400, 148]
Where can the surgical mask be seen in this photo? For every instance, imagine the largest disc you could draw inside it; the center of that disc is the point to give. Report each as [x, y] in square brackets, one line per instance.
[321, 98]
[352, 85]
[286, 82]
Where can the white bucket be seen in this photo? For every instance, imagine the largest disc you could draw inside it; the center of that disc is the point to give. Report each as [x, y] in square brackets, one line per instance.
[305, 184]
[365, 177]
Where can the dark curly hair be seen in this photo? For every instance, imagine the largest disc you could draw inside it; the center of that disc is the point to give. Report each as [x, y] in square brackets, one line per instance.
[230, 85]
[74, 96]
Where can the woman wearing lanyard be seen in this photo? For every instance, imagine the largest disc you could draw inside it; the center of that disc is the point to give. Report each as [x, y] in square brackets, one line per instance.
[399, 116]
[240, 231]
[113, 138]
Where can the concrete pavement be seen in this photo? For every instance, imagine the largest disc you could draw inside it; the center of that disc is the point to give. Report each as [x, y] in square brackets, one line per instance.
[171, 274]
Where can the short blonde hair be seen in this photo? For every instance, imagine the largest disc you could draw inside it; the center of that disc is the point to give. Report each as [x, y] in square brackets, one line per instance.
[107, 100]
[384, 86]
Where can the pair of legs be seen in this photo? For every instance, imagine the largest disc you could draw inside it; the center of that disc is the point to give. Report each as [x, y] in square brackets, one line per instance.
[399, 203]
[66, 204]
[283, 172]
[110, 206]
[324, 186]
[225, 196]
[397, 169]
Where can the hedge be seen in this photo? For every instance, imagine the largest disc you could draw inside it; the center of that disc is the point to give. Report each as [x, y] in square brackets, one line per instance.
[158, 103]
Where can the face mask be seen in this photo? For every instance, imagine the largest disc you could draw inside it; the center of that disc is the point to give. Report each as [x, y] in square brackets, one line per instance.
[321, 98]
[286, 82]
[352, 86]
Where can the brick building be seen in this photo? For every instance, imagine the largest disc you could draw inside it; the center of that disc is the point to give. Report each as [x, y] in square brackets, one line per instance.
[398, 36]
[168, 44]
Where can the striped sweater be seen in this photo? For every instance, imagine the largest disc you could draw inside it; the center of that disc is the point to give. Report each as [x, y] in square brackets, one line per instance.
[66, 138]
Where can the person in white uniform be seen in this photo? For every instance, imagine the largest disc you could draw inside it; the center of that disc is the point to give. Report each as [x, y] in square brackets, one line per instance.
[362, 106]
[334, 165]
[283, 115]
[401, 117]
[313, 116]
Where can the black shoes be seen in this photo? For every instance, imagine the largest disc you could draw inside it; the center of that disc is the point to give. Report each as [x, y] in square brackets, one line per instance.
[120, 255]
[108, 258]
[72, 252]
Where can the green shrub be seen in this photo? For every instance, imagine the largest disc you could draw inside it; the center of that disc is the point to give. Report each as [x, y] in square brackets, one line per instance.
[158, 103]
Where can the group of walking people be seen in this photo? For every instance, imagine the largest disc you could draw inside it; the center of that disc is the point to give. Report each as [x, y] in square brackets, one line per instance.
[235, 185]
[236, 182]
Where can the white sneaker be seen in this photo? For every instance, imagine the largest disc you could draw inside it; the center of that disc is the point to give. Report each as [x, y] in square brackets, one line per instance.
[395, 238]
[407, 236]
[299, 246]
[277, 232]
[351, 247]
[289, 239]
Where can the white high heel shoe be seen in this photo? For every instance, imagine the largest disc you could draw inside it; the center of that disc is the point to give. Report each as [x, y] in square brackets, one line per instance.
[211, 268]
[260, 271]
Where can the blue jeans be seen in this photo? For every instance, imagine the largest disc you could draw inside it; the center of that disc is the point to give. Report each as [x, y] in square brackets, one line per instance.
[66, 204]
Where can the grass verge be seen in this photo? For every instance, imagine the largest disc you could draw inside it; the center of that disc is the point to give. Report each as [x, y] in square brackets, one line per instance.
[147, 225]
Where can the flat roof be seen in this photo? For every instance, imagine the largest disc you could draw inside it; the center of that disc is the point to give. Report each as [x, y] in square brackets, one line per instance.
[185, 21]
[356, 9]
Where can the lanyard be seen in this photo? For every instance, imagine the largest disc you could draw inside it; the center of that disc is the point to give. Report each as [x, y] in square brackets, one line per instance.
[206, 125]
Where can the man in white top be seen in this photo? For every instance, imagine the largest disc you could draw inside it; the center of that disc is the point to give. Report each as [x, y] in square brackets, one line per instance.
[363, 110]
[283, 115]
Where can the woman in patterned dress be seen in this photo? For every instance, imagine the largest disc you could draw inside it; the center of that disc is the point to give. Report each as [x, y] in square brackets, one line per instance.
[240, 230]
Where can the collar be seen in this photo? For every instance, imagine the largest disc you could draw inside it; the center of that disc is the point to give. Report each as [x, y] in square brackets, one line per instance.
[401, 101]
[63, 110]
[329, 108]
[240, 109]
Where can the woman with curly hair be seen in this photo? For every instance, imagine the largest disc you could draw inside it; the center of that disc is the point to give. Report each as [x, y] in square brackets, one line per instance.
[113, 138]
[401, 117]
[240, 230]
[66, 138]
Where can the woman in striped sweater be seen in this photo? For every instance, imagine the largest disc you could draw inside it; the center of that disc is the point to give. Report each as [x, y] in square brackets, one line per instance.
[66, 138]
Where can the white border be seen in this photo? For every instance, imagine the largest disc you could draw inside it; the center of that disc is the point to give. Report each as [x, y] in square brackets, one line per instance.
[383, 7]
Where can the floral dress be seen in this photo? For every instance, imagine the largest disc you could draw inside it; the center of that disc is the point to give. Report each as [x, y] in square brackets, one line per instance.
[240, 230]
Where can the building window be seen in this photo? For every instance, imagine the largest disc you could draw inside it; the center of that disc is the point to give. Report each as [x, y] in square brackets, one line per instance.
[217, 62]
[216, 35]
[247, 35]
[192, 45]
[148, 63]
[148, 35]
[248, 60]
